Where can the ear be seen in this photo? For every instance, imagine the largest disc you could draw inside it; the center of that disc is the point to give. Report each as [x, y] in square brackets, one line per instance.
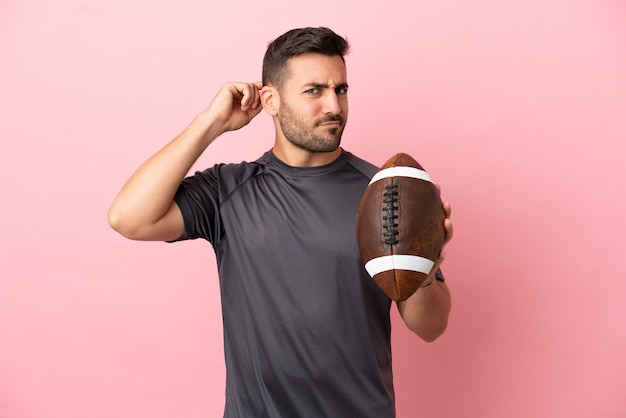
[270, 99]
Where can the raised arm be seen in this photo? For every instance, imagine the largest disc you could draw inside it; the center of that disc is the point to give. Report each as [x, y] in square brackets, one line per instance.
[145, 209]
[426, 311]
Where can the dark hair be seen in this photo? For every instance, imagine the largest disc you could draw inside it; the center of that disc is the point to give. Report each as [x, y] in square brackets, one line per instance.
[297, 42]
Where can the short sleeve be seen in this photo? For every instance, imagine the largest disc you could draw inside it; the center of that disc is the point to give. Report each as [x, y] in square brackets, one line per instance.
[198, 200]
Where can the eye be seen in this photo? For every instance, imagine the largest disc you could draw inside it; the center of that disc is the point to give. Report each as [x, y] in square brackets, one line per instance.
[312, 90]
[341, 90]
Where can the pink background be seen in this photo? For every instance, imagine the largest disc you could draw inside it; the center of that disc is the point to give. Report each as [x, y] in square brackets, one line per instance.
[518, 108]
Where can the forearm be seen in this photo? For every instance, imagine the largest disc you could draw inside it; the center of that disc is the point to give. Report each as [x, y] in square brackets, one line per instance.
[145, 209]
[426, 311]
[148, 194]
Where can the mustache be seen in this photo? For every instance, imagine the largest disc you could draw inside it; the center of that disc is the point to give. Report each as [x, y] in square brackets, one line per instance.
[332, 118]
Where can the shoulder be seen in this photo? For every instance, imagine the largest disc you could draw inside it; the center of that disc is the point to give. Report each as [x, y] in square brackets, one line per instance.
[232, 175]
[366, 168]
[225, 177]
[237, 172]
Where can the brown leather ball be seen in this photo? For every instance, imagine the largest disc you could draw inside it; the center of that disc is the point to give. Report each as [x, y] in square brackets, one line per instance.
[399, 226]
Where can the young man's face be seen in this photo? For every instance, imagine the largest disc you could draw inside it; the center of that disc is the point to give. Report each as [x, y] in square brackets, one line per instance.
[314, 102]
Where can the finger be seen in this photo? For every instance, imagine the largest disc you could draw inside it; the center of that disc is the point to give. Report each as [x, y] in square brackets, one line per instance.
[447, 224]
[442, 256]
[251, 97]
[245, 95]
[447, 209]
[256, 88]
[253, 111]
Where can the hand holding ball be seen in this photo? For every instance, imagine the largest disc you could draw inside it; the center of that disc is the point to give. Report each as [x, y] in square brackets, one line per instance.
[399, 226]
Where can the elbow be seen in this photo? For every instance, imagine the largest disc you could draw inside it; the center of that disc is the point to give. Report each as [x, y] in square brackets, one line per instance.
[428, 328]
[432, 332]
[120, 223]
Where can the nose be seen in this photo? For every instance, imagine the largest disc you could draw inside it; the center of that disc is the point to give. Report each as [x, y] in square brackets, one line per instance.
[331, 103]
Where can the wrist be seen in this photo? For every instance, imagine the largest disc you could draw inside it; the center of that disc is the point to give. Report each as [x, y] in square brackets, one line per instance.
[208, 126]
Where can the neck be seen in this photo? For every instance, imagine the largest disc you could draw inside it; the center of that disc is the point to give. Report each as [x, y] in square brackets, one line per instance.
[298, 157]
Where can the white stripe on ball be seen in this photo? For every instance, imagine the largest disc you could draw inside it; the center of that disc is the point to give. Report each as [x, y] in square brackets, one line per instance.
[399, 262]
[401, 171]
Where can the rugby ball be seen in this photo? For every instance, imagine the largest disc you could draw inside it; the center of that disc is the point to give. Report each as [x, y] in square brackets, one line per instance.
[399, 226]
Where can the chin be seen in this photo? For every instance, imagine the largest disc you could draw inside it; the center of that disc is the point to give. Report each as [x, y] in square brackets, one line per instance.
[327, 147]
[318, 145]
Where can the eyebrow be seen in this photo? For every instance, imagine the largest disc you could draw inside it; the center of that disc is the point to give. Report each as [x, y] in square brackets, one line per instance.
[325, 85]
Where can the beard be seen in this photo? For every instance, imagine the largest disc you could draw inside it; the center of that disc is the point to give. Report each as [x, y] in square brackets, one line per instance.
[302, 135]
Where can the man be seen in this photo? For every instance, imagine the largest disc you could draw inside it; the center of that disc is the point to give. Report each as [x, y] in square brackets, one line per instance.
[306, 330]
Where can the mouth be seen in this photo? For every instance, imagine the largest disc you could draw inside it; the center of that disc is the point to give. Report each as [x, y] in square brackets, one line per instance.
[332, 122]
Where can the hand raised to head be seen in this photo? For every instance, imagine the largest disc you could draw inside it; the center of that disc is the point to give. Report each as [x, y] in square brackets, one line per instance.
[236, 104]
